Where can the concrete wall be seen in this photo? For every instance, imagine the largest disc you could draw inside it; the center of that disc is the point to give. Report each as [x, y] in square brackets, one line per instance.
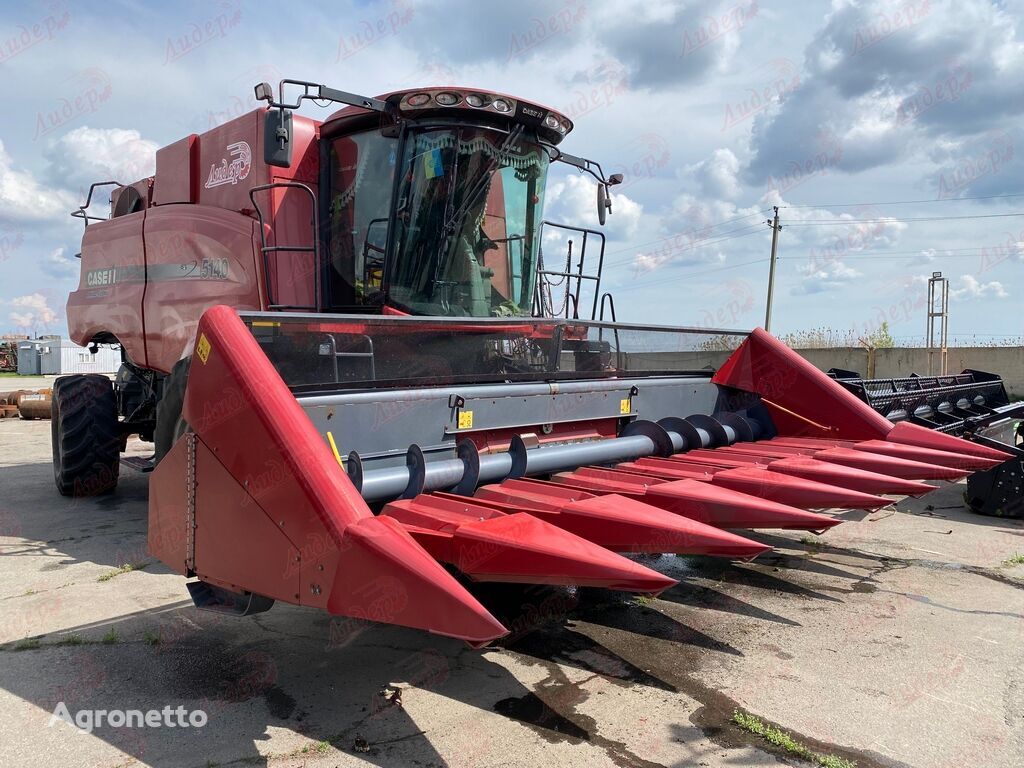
[898, 362]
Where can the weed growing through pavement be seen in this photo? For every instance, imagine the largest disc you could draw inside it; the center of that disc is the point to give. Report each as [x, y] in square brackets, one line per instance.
[783, 740]
[126, 568]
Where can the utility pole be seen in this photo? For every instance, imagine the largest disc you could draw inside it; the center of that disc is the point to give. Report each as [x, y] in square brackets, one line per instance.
[774, 224]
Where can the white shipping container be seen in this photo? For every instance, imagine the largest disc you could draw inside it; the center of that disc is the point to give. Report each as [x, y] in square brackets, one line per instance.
[63, 356]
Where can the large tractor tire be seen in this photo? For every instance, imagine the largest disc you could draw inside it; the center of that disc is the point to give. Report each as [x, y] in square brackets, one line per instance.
[170, 424]
[85, 435]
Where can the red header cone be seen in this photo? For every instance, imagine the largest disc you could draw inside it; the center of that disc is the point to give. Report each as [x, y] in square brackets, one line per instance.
[617, 522]
[386, 576]
[848, 477]
[795, 491]
[912, 434]
[889, 465]
[489, 545]
[704, 502]
[943, 458]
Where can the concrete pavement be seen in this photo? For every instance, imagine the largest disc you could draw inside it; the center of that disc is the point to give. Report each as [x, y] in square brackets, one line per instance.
[895, 639]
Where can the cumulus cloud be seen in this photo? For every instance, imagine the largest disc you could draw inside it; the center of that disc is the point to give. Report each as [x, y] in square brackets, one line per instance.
[669, 44]
[971, 288]
[889, 78]
[691, 232]
[86, 155]
[58, 265]
[32, 313]
[661, 43]
[24, 198]
[717, 174]
[573, 200]
[819, 276]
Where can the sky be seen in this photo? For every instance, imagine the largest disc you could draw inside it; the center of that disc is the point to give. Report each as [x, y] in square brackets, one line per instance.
[888, 133]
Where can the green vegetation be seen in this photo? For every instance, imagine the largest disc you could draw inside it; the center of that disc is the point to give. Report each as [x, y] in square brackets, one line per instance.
[813, 544]
[151, 638]
[126, 568]
[880, 338]
[320, 748]
[1017, 559]
[27, 644]
[110, 638]
[70, 640]
[784, 741]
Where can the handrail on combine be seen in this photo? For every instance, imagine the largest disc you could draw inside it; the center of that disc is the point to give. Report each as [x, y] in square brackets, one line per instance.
[266, 250]
[569, 275]
[82, 211]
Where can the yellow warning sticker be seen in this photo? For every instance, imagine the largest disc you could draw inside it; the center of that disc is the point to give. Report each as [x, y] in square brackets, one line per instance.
[624, 406]
[334, 448]
[203, 348]
[465, 419]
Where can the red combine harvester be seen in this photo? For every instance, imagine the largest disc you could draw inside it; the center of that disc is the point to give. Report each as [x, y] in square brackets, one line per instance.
[363, 379]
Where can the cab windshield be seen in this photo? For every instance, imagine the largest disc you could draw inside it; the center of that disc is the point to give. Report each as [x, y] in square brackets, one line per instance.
[467, 221]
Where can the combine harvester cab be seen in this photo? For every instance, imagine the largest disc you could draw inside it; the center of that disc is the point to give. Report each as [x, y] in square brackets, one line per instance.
[365, 388]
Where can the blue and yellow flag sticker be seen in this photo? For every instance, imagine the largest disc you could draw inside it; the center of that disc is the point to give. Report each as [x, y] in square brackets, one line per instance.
[432, 167]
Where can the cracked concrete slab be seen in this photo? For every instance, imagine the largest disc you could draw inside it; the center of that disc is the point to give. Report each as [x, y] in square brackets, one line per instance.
[894, 639]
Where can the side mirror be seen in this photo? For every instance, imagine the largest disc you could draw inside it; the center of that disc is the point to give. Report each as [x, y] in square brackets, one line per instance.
[604, 202]
[615, 178]
[264, 92]
[277, 137]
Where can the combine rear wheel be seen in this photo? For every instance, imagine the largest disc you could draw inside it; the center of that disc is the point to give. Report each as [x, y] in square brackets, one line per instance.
[85, 435]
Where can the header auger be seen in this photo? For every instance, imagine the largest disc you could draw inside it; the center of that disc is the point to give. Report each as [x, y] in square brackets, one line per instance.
[366, 387]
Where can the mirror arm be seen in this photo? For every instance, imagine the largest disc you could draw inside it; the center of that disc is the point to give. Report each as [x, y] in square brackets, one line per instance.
[587, 166]
[317, 92]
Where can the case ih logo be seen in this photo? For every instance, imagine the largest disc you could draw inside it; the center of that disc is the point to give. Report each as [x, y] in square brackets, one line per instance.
[234, 171]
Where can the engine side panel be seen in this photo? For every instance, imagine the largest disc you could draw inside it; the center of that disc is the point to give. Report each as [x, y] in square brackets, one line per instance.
[196, 256]
[111, 286]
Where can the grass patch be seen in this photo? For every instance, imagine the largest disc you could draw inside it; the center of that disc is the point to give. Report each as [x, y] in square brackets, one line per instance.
[151, 638]
[1013, 560]
[643, 599]
[320, 748]
[70, 640]
[126, 568]
[110, 638]
[812, 543]
[784, 741]
[27, 644]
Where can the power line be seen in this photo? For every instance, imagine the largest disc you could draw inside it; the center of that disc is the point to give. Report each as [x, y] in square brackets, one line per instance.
[690, 275]
[692, 247]
[701, 229]
[892, 219]
[903, 202]
[884, 255]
